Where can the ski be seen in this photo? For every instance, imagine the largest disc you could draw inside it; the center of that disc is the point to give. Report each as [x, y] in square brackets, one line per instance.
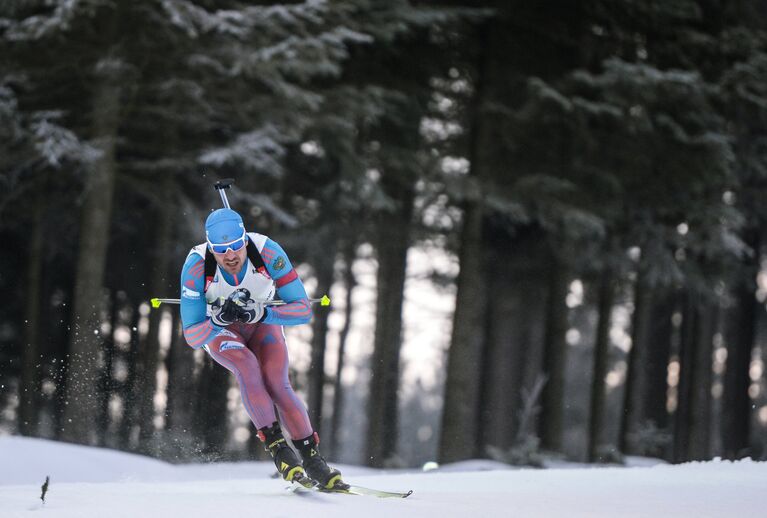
[359, 490]
[352, 490]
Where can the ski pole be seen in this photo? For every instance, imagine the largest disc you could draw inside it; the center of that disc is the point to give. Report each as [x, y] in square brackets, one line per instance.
[221, 186]
[323, 301]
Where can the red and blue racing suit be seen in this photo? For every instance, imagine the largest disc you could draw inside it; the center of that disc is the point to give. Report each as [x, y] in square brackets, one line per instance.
[255, 353]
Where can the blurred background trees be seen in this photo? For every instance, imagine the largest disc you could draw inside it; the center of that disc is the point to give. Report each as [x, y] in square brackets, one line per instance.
[568, 196]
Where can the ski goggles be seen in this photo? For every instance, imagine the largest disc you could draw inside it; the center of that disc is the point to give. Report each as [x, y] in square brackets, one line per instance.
[223, 248]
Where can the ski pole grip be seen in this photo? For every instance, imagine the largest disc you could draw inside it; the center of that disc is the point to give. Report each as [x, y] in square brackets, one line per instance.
[221, 186]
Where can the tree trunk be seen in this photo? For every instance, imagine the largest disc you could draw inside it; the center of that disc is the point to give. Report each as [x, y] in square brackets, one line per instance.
[181, 391]
[700, 392]
[148, 361]
[459, 435]
[126, 390]
[145, 381]
[84, 347]
[601, 358]
[29, 386]
[516, 329]
[462, 385]
[350, 282]
[392, 247]
[656, 368]
[501, 376]
[688, 345]
[325, 267]
[633, 417]
[56, 339]
[105, 382]
[736, 403]
[555, 358]
[211, 415]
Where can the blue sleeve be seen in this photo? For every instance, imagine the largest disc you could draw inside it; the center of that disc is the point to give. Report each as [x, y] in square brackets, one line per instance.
[289, 288]
[198, 328]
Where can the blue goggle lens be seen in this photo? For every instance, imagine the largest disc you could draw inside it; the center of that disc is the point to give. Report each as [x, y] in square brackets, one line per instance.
[234, 246]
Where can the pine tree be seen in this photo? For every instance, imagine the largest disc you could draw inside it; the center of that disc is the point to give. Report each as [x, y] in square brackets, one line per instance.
[222, 89]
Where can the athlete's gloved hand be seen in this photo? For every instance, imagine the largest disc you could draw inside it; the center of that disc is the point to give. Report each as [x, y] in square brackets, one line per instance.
[225, 312]
[250, 311]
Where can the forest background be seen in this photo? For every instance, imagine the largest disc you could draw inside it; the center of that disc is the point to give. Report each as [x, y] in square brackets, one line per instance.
[540, 222]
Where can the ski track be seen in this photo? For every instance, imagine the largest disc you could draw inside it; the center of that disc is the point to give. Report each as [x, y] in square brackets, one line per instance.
[156, 489]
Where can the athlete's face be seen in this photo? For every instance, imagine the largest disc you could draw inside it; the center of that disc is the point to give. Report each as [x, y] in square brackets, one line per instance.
[232, 260]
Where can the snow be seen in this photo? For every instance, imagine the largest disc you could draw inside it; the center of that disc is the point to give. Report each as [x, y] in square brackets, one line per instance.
[95, 482]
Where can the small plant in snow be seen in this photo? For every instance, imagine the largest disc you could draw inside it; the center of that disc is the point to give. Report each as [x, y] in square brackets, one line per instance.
[525, 451]
[650, 441]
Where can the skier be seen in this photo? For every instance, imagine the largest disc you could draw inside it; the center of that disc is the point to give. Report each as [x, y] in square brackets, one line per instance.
[224, 282]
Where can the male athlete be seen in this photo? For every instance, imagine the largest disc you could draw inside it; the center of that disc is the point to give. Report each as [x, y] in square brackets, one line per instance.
[224, 284]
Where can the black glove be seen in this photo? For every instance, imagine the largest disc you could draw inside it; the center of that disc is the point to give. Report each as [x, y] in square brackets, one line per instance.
[248, 310]
[226, 312]
[251, 312]
[238, 307]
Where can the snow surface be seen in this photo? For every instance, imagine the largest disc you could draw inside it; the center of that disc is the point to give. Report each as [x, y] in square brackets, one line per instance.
[93, 482]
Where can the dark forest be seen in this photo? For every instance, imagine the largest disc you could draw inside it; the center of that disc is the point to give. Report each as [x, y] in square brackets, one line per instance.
[582, 183]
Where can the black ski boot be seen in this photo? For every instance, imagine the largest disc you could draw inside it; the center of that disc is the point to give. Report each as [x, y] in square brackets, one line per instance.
[286, 460]
[315, 465]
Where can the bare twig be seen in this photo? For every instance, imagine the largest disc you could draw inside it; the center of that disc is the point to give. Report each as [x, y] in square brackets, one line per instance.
[44, 488]
[530, 407]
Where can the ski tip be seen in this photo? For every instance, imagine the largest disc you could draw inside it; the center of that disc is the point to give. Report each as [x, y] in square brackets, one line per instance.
[407, 493]
[325, 301]
[155, 302]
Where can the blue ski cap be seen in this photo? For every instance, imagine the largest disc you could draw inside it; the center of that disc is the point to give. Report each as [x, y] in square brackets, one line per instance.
[223, 226]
